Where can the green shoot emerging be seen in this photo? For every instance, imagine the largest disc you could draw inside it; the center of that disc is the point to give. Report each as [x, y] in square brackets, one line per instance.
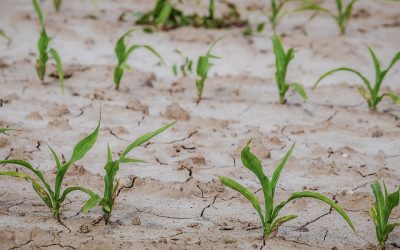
[203, 66]
[122, 51]
[54, 198]
[44, 52]
[342, 16]
[185, 68]
[269, 219]
[385, 202]
[111, 186]
[282, 60]
[372, 92]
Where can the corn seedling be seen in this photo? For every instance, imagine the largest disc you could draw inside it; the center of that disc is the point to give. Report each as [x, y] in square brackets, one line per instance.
[372, 92]
[185, 68]
[282, 60]
[54, 198]
[44, 52]
[385, 202]
[57, 4]
[111, 186]
[203, 66]
[269, 220]
[342, 16]
[122, 51]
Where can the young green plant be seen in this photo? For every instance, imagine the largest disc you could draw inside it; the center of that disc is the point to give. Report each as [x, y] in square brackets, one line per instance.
[54, 198]
[269, 219]
[44, 51]
[111, 186]
[203, 66]
[385, 202]
[372, 93]
[4, 35]
[342, 16]
[282, 60]
[122, 52]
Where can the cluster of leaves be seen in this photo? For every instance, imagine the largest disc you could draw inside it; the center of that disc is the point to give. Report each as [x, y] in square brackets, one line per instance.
[122, 52]
[54, 198]
[111, 186]
[372, 93]
[342, 16]
[385, 202]
[44, 52]
[269, 219]
[166, 16]
[282, 60]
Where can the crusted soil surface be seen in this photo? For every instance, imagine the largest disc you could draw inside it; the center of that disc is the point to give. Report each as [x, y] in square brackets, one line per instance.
[175, 200]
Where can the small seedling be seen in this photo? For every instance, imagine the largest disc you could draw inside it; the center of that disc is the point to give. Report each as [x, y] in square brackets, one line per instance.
[185, 68]
[342, 16]
[269, 220]
[44, 52]
[53, 198]
[122, 51]
[372, 93]
[57, 4]
[385, 202]
[203, 66]
[111, 186]
[282, 60]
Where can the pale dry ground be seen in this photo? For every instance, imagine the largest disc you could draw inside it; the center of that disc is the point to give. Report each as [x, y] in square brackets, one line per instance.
[340, 146]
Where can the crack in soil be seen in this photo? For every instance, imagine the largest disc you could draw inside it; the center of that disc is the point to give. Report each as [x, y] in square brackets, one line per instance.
[208, 206]
[164, 216]
[57, 244]
[23, 244]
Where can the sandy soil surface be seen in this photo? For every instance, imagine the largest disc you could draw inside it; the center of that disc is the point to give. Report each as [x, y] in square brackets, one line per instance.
[176, 200]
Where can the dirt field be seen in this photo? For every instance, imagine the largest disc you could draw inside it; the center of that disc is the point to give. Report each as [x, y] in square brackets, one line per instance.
[176, 200]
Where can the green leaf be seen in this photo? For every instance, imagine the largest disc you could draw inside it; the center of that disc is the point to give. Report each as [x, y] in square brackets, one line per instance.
[364, 93]
[245, 192]
[42, 194]
[38, 12]
[145, 138]
[164, 14]
[27, 165]
[395, 98]
[278, 170]
[300, 90]
[58, 163]
[60, 71]
[91, 203]
[130, 160]
[3, 34]
[84, 145]
[17, 175]
[365, 80]
[277, 223]
[318, 196]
